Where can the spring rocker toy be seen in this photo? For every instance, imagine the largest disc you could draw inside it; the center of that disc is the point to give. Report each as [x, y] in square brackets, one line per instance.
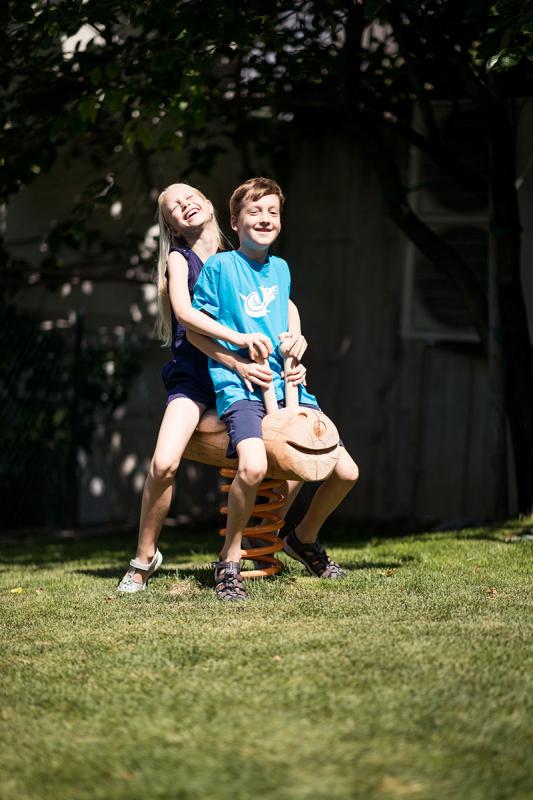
[301, 444]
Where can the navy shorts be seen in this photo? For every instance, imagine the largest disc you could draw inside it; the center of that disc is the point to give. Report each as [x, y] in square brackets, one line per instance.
[194, 391]
[243, 421]
[184, 378]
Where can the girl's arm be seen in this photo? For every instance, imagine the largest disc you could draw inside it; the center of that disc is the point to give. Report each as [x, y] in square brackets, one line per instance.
[299, 342]
[249, 371]
[259, 346]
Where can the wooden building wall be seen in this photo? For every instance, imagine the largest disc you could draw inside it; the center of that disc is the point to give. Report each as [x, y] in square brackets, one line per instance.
[416, 414]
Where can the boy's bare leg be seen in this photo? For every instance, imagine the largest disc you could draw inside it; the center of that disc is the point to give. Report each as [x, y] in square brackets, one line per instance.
[241, 497]
[328, 497]
[291, 490]
[179, 421]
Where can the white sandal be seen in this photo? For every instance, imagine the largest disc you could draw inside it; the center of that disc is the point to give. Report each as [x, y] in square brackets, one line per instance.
[128, 586]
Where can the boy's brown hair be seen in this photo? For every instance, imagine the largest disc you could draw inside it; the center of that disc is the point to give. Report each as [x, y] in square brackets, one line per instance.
[254, 189]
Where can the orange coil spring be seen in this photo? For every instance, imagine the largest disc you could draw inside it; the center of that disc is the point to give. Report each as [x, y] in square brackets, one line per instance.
[266, 531]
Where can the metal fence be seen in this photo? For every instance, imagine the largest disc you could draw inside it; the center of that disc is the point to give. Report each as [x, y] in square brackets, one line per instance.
[55, 381]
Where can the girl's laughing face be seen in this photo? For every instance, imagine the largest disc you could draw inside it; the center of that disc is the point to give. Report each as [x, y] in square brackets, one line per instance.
[185, 208]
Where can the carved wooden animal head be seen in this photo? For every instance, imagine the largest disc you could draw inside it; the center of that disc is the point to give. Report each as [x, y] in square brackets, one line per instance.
[301, 444]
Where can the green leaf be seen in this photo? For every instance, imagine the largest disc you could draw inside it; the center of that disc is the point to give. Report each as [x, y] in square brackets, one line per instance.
[114, 99]
[87, 109]
[168, 140]
[77, 124]
[510, 59]
[112, 70]
[128, 135]
[505, 59]
[55, 129]
[492, 62]
[96, 76]
[144, 135]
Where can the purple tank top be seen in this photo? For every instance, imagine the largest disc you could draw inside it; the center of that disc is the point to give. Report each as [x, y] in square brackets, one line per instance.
[180, 343]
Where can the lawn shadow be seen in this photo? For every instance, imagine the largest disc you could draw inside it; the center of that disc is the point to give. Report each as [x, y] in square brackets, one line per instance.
[48, 552]
[114, 552]
[103, 572]
[114, 572]
[184, 544]
[203, 575]
[494, 534]
[402, 561]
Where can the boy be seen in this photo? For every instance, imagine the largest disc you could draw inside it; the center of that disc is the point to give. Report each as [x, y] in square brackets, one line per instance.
[248, 290]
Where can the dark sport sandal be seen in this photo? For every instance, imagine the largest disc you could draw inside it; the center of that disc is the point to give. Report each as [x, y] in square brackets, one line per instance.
[228, 580]
[313, 557]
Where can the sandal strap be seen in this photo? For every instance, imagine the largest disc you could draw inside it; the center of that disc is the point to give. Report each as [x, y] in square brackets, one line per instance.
[228, 580]
[333, 569]
[136, 564]
[316, 555]
[319, 560]
[128, 586]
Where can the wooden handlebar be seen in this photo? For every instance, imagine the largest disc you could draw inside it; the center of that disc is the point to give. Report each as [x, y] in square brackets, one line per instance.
[291, 389]
[269, 395]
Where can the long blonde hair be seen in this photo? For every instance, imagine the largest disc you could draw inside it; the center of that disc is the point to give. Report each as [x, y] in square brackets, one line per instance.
[168, 237]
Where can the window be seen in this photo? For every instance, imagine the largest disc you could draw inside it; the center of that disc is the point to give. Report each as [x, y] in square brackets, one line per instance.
[432, 307]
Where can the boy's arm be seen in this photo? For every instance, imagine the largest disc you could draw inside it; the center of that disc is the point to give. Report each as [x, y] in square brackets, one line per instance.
[295, 325]
[259, 345]
[249, 371]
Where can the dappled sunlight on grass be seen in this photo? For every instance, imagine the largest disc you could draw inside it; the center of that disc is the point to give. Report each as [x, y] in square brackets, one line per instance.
[410, 678]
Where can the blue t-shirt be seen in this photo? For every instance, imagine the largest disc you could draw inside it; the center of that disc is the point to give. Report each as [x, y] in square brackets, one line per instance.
[250, 298]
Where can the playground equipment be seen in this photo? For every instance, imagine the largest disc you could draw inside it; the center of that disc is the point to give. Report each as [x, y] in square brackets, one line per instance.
[301, 444]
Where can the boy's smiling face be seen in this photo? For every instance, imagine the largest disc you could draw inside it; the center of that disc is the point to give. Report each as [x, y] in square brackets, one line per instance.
[258, 225]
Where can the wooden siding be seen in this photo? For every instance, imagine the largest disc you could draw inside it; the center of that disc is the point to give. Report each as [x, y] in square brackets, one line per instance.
[415, 415]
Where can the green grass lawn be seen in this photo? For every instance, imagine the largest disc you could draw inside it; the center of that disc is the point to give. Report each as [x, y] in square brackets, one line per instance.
[410, 679]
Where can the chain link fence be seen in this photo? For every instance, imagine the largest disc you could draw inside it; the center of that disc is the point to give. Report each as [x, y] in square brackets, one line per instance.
[56, 380]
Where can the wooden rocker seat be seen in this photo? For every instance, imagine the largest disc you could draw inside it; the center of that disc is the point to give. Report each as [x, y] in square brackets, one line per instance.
[301, 444]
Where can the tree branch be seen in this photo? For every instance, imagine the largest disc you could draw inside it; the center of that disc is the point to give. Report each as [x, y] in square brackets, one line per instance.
[460, 171]
[426, 240]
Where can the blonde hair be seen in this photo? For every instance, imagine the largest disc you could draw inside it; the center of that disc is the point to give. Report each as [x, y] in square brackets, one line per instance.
[169, 237]
[254, 189]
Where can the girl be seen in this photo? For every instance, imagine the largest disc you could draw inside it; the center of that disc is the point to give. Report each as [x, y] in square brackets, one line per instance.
[189, 234]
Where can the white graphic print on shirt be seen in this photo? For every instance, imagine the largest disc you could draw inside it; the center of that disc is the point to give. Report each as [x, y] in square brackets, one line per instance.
[254, 306]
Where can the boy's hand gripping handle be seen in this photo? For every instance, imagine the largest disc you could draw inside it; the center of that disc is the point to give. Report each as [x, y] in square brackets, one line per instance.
[291, 389]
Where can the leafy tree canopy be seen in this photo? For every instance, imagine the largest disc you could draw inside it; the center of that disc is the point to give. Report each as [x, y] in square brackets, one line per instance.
[111, 80]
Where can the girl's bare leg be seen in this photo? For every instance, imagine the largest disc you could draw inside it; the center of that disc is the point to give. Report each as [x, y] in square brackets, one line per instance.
[179, 421]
